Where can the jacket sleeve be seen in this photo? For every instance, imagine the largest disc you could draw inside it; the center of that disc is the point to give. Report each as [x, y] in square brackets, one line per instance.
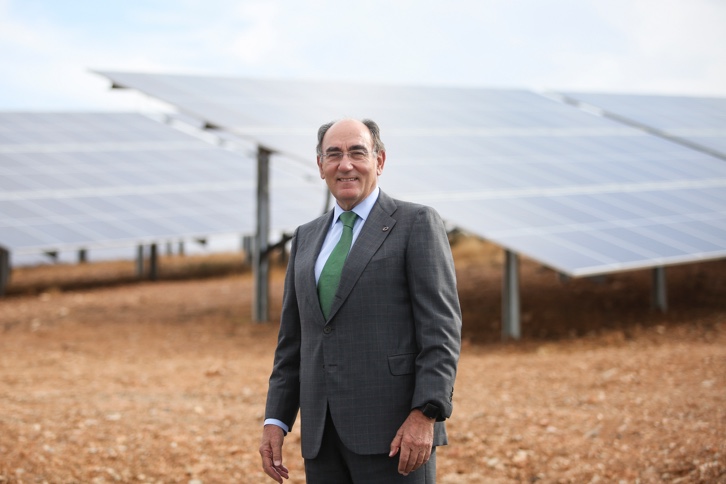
[283, 394]
[436, 311]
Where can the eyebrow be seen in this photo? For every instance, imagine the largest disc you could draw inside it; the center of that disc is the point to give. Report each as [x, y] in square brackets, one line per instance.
[334, 149]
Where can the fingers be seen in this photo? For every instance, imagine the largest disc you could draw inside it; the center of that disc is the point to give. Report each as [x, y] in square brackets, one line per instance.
[278, 472]
[412, 459]
[413, 455]
[275, 472]
[405, 463]
[276, 453]
[414, 441]
[271, 453]
[396, 444]
[282, 472]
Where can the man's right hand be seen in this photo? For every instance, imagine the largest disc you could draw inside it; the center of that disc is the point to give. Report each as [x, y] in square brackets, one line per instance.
[271, 452]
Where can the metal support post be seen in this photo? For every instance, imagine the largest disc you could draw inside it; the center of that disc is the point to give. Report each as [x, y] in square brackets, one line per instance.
[153, 262]
[659, 299]
[248, 244]
[510, 298]
[260, 262]
[4, 270]
[140, 261]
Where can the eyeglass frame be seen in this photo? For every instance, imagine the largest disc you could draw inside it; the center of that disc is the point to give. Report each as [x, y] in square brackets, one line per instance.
[337, 156]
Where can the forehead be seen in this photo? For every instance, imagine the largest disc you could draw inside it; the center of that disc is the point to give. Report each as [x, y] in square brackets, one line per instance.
[347, 133]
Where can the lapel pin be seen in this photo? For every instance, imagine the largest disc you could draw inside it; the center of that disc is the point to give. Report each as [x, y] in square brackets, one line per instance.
[385, 229]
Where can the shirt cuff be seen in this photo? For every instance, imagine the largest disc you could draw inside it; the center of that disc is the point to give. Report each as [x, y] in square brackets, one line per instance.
[274, 421]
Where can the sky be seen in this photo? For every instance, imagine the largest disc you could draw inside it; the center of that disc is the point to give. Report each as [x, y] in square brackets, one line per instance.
[48, 48]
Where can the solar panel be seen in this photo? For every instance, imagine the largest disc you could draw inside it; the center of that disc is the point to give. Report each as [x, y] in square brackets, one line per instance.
[699, 120]
[581, 193]
[82, 180]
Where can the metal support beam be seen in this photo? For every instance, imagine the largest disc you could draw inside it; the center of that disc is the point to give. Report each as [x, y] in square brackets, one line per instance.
[260, 260]
[510, 298]
[659, 298]
[153, 262]
[4, 270]
[248, 244]
[140, 261]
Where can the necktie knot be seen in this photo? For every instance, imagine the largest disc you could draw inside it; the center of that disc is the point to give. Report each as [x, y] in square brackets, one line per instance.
[348, 218]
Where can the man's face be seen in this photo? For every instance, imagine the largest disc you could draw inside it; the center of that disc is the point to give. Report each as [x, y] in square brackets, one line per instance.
[354, 175]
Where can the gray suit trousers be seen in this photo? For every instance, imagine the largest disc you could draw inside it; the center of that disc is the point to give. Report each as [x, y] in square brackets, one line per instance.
[335, 464]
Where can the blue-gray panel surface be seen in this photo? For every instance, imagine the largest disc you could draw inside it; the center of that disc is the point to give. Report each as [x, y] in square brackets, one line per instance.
[79, 180]
[581, 193]
[701, 120]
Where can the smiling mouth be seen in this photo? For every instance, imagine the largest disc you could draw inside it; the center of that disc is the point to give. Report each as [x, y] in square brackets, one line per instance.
[347, 179]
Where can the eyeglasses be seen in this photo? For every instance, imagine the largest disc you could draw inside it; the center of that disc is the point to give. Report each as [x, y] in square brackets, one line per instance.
[337, 156]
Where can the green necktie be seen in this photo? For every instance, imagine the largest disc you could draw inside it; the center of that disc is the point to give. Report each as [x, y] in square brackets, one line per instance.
[330, 276]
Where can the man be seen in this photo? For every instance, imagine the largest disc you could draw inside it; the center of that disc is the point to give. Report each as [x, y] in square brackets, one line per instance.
[370, 364]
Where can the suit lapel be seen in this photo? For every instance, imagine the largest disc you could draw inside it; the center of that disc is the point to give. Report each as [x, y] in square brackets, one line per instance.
[377, 227]
[308, 250]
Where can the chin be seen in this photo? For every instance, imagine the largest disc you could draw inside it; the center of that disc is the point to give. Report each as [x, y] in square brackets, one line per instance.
[348, 195]
[347, 202]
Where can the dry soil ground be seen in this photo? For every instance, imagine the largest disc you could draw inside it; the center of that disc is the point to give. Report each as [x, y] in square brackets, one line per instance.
[103, 379]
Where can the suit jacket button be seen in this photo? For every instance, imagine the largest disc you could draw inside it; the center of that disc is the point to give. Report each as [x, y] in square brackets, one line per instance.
[327, 330]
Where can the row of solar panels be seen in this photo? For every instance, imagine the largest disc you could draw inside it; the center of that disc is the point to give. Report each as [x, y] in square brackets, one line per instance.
[82, 180]
[582, 193]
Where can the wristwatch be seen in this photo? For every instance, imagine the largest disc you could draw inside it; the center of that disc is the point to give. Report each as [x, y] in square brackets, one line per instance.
[431, 411]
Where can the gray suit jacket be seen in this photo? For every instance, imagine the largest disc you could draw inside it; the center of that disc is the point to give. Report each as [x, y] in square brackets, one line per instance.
[391, 342]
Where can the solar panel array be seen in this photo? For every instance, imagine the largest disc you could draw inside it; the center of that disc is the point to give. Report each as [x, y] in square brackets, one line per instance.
[698, 120]
[581, 193]
[587, 197]
[82, 180]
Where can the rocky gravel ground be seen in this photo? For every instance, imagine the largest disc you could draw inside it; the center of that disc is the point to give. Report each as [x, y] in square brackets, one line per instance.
[165, 382]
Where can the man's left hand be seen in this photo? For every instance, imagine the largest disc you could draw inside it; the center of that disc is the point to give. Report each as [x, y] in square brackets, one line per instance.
[414, 441]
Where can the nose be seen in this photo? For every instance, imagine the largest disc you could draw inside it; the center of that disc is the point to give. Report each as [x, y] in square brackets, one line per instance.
[346, 164]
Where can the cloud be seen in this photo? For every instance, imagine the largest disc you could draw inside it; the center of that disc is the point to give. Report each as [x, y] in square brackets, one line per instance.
[666, 46]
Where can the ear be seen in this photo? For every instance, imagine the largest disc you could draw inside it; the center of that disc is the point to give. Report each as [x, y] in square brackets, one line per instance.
[320, 167]
[380, 161]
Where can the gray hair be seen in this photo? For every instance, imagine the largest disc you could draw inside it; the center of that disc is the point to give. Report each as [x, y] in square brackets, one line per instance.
[370, 124]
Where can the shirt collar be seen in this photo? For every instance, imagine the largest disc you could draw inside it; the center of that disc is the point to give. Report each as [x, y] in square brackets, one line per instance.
[363, 209]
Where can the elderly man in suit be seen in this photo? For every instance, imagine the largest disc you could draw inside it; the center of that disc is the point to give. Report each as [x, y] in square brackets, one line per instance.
[370, 330]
